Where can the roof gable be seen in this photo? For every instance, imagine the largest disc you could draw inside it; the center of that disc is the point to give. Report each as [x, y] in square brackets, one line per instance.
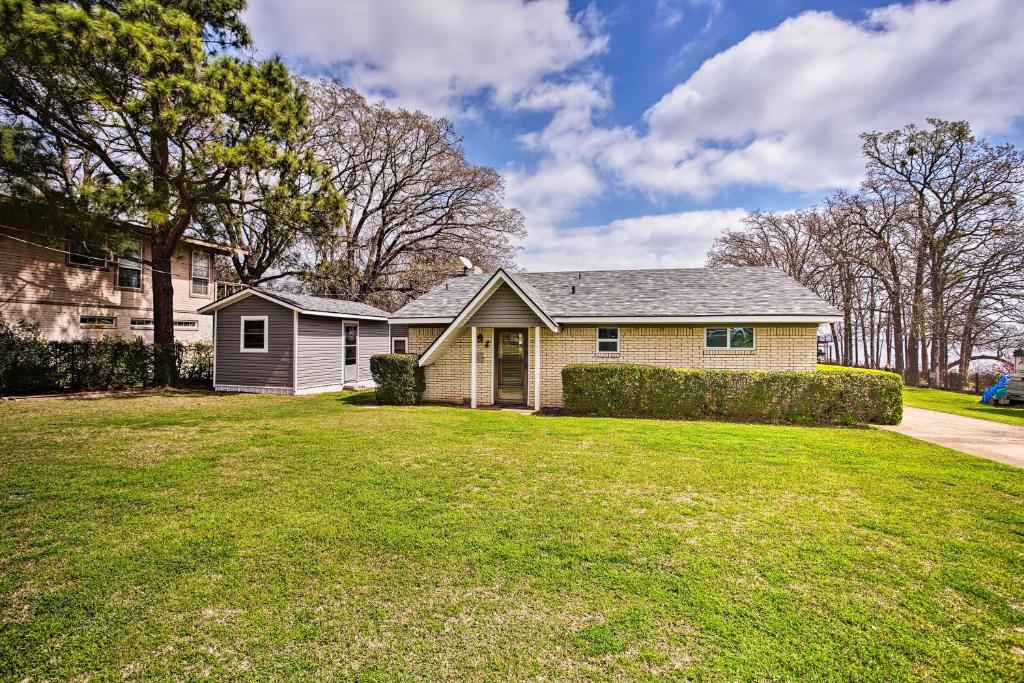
[482, 295]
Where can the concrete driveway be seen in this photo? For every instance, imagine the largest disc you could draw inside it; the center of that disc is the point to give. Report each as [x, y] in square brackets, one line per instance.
[993, 440]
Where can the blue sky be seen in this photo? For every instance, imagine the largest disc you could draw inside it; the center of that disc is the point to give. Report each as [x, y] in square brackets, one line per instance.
[632, 133]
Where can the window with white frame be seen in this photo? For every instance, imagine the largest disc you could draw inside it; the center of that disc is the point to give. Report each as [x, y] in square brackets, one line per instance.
[186, 324]
[253, 331]
[399, 345]
[607, 340]
[129, 266]
[201, 273]
[97, 321]
[142, 323]
[729, 338]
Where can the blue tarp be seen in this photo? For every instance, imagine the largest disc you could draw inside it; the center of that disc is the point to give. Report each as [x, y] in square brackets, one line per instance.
[999, 388]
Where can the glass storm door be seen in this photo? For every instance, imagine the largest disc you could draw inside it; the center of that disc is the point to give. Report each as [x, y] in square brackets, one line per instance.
[510, 366]
[351, 352]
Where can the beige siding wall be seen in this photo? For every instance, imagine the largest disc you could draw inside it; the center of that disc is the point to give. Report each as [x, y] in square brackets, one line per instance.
[779, 347]
[38, 285]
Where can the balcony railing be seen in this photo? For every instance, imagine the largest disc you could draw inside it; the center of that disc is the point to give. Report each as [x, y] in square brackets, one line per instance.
[228, 288]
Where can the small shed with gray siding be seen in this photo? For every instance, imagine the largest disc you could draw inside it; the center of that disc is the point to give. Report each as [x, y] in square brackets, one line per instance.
[279, 343]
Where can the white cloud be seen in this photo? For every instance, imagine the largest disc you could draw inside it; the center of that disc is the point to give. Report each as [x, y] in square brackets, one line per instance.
[430, 55]
[673, 240]
[784, 107]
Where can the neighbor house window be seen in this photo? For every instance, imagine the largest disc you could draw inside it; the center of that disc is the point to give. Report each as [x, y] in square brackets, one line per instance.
[729, 337]
[129, 267]
[607, 340]
[82, 252]
[97, 321]
[186, 324]
[399, 345]
[200, 273]
[142, 323]
[254, 334]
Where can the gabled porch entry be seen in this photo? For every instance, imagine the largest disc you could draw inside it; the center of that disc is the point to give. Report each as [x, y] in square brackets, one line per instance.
[504, 307]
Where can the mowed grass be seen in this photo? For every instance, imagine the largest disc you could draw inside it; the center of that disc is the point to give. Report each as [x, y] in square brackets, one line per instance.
[962, 404]
[252, 537]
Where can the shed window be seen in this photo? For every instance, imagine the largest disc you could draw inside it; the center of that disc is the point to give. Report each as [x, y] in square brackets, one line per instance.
[200, 273]
[254, 334]
[129, 267]
[607, 340]
[399, 345]
[729, 337]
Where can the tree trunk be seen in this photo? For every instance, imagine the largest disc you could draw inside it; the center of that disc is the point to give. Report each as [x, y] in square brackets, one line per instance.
[163, 318]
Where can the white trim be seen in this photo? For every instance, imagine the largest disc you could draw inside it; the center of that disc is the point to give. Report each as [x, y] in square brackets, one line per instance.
[322, 389]
[394, 339]
[295, 350]
[728, 338]
[241, 333]
[251, 389]
[478, 300]
[345, 379]
[215, 348]
[246, 293]
[536, 369]
[420, 321]
[598, 340]
[472, 367]
[494, 362]
[610, 321]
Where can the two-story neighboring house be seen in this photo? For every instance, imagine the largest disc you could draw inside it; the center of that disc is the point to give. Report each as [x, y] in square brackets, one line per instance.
[74, 287]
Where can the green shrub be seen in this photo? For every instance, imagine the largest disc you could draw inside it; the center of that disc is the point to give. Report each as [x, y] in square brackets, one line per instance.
[774, 397]
[30, 364]
[194, 363]
[400, 379]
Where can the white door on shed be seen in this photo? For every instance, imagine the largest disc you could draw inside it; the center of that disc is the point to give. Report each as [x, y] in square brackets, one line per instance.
[351, 352]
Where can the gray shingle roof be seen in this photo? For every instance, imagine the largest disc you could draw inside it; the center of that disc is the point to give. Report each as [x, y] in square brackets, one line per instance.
[319, 304]
[639, 293]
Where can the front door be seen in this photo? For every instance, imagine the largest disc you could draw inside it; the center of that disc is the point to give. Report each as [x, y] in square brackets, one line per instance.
[351, 352]
[510, 366]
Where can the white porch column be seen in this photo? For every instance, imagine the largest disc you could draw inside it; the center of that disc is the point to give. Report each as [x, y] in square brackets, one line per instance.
[536, 368]
[472, 368]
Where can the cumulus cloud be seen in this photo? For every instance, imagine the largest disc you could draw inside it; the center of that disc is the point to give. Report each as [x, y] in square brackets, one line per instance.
[672, 240]
[430, 55]
[784, 107]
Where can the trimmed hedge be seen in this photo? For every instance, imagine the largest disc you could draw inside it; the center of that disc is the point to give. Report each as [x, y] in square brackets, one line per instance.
[773, 397]
[400, 380]
[30, 364]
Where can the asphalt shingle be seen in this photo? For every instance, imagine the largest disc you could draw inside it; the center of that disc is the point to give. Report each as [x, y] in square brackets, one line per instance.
[639, 293]
[320, 304]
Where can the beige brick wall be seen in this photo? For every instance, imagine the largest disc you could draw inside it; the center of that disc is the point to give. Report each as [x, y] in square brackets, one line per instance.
[778, 347]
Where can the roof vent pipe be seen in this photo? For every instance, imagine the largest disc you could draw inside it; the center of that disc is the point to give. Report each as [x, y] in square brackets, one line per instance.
[574, 289]
[579, 276]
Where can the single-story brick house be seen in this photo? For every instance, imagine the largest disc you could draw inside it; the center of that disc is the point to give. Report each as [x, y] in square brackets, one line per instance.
[271, 342]
[504, 338]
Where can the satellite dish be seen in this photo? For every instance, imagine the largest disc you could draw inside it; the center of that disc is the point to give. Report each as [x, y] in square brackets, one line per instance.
[466, 263]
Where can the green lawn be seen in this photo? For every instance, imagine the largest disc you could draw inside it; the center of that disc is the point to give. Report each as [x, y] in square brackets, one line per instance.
[962, 404]
[189, 535]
